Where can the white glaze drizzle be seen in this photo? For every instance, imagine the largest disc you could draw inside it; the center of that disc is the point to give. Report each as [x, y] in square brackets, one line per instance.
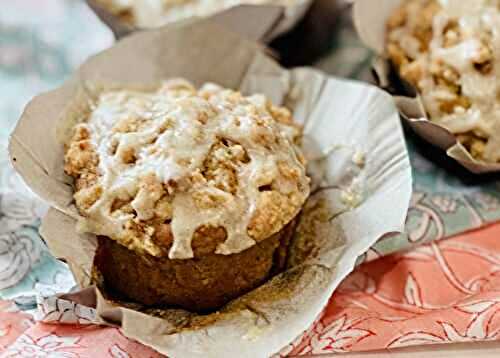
[178, 131]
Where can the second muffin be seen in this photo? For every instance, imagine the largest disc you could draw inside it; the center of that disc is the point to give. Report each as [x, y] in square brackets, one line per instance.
[450, 51]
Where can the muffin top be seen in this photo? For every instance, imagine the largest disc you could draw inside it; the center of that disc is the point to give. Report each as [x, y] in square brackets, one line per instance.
[450, 51]
[154, 13]
[181, 171]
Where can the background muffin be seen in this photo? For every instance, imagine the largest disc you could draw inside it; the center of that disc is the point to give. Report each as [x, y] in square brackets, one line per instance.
[186, 177]
[147, 14]
[449, 51]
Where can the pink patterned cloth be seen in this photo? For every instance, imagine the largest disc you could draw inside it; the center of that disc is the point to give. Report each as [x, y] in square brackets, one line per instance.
[65, 341]
[448, 291]
[12, 324]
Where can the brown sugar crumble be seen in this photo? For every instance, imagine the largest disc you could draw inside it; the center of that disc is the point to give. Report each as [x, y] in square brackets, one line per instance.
[183, 172]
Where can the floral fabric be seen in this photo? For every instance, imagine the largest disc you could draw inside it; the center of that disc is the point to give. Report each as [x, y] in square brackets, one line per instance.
[424, 296]
[386, 303]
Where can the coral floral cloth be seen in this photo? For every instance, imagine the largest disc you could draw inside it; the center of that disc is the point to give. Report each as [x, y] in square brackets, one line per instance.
[447, 291]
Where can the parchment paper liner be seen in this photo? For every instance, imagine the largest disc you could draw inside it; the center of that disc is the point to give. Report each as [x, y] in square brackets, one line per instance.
[370, 19]
[257, 22]
[341, 119]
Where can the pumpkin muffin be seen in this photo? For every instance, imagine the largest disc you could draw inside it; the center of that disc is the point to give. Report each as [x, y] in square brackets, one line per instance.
[192, 192]
[450, 52]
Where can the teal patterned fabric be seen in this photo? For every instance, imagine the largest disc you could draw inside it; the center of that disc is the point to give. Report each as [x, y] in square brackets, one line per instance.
[441, 206]
[42, 41]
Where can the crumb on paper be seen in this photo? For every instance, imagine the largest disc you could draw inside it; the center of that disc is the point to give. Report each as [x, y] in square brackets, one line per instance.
[351, 198]
[359, 158]
[324, 153]
[255, 332]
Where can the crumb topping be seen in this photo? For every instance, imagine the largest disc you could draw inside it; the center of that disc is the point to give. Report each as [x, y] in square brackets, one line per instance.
[157, 170]
[450, 51]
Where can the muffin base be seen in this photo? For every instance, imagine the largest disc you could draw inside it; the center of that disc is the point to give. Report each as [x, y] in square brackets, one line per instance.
[201, 284]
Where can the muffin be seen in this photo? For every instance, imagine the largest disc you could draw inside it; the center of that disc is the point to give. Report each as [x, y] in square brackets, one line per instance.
[192, 192]
[148, 14]
[450, 52]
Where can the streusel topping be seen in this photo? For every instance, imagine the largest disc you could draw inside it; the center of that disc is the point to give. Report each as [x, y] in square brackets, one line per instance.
[153, 170]
[154, 13]
[450, 50]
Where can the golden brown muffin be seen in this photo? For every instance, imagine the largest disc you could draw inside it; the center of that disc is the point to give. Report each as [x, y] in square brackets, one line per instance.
[183, 179]
[449, 51]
